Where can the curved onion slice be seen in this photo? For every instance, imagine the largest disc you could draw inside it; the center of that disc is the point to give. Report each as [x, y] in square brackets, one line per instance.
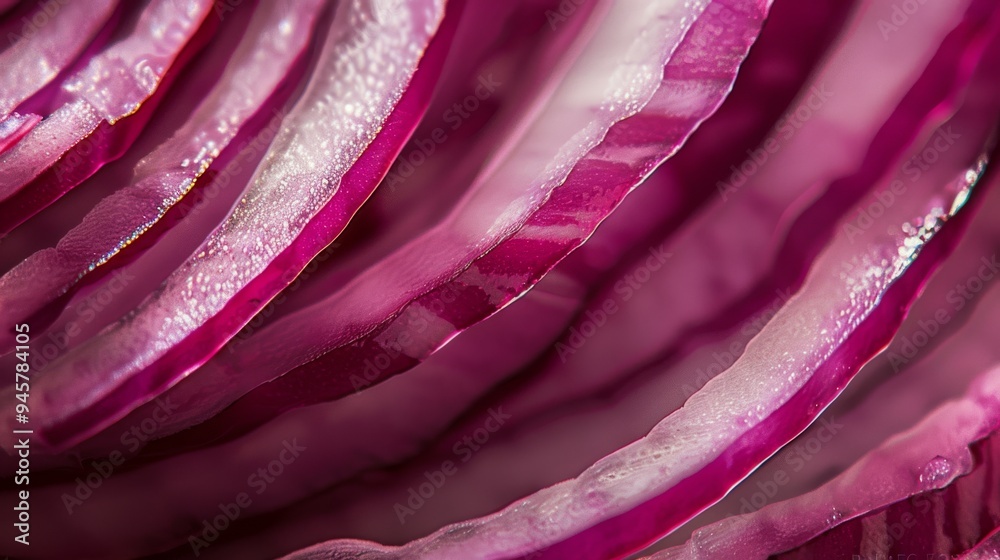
[273, 42]
[14, 127]
[885, 503]
[338, 140]
[50, 39]
[79, 135]
[943, 332]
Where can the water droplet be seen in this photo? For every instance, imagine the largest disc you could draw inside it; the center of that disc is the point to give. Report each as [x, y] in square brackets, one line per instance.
[938, 469]
[834, 518]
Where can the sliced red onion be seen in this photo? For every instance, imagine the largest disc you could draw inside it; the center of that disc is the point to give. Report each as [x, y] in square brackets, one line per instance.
[188, 497]
[534, 404]
[507, 341]
[78, 135]
[320, 168]
[496, 258]
[516, 44]
[275, 39]
[734, 223]
[600, 441]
